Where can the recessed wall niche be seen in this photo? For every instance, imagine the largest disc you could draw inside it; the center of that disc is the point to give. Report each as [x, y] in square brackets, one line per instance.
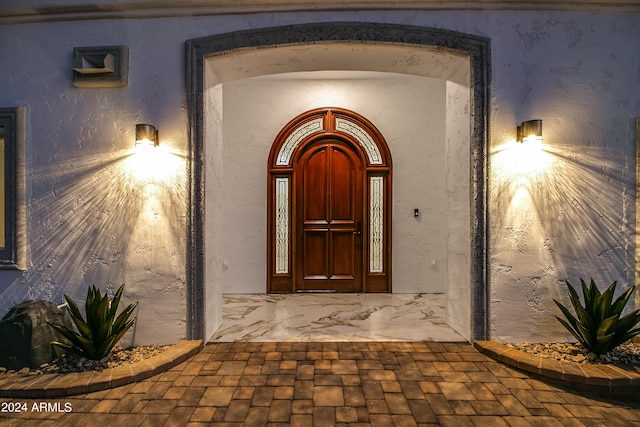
[100, 67]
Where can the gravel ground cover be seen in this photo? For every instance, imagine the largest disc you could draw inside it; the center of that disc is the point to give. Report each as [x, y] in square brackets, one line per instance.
[627, 353]
[119, 356]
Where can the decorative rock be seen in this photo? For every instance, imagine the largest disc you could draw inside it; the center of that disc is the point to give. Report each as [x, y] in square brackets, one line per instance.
[118, 357]
[627, 353]
[26, 336]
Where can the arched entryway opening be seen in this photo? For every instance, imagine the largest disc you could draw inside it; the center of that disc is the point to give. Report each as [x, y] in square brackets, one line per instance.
[459, 63]
[329, 217]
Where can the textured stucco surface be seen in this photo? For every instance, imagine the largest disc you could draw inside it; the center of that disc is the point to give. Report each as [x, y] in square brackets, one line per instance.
[88, 223]
[458, 200]
[214, 224]
[90, 219]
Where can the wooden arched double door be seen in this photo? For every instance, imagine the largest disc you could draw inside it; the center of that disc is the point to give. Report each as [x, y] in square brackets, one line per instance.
[329, 206]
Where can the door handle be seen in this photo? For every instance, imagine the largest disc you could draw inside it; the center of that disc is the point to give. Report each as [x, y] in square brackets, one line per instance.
[358, 229]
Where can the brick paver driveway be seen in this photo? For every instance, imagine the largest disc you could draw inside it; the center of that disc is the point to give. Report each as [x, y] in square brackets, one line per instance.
[318, 384]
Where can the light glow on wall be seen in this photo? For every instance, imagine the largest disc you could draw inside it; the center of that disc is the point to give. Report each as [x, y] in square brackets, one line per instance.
[328, 95]
[558, 211]
[530, 159]
[147, 163]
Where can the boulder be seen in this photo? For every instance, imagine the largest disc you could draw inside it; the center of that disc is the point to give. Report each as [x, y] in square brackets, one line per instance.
[25, 336]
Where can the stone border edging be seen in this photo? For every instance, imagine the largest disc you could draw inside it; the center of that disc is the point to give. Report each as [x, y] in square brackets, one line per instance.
[600, 378]
[60, 385]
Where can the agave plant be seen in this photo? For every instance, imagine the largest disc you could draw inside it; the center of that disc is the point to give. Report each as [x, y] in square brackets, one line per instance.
[598, 325]
[101, 330]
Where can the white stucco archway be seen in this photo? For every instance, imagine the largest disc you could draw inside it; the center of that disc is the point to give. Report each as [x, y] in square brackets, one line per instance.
[421, 99]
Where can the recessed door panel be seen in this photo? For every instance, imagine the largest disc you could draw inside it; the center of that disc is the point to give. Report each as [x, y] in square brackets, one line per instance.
[316, 244]
[342, 256]
[342, 187]
[315, 187]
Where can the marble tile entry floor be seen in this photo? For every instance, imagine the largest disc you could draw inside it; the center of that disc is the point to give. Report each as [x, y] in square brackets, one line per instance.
[330, 317]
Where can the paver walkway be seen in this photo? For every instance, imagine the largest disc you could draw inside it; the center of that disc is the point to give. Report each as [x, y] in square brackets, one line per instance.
[318, 384]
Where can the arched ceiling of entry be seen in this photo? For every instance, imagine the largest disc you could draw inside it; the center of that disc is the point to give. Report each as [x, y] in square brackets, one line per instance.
[364, 57]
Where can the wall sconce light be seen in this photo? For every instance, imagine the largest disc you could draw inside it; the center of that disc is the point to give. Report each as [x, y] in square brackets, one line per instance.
[146, 135]
[531, 130]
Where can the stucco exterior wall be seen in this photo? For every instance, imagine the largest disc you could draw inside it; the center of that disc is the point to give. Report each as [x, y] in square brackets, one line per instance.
[91, 217]
[409, 112]
[568, 212]
[458, 175]
[214, 225]
[88, 221]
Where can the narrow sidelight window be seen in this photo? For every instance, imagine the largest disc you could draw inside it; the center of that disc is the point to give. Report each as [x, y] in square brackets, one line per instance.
[12, 245]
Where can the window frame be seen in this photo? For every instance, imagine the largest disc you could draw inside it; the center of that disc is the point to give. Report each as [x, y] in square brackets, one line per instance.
[12, 255]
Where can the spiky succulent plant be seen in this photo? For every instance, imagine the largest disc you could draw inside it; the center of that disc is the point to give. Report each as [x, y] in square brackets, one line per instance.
[598, 325]
[101, 330]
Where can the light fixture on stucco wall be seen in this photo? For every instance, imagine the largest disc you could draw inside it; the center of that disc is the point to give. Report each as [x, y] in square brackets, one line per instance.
[146, 135]
[531, 130]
